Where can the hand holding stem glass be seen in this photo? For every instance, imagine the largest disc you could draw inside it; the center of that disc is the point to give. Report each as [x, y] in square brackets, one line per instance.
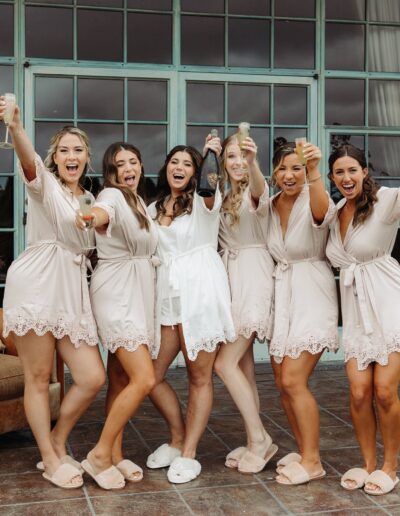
[85, 206]
[242, 134]
[8, 115]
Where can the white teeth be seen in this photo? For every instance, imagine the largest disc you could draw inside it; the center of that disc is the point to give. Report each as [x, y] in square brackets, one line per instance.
[178, 176]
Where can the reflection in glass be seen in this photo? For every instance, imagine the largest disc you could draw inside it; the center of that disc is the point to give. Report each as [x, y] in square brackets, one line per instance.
[149, 38]
[249, 42]
[6, 253]
[344, 46]
[205, 6]
[345, 9]
[290, 105]
[196, 135]
[43, 132]
[384, 106]
[303, 9]
[255, 7]
[294, 44]
[202, 41]
[54, 97]
[151, 140]
[344, 102]
[384, 157]
[158, 5]
[205, 102]
[384, 11]
[147, 100]
[6, 202]
[347, 139]
[101, 136]
[6, 158]
[248, 102]
[54, 42]
[6, 79]
[101, 98]
[104, 43]
[6, 30]
[384, 48]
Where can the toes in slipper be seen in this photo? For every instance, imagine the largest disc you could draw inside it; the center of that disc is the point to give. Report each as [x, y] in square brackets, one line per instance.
[356, 475]
[64, 477]
[295, 474]
[287, 459]
[67, 459]
[110, 478]
[130, 471]
[252, 463]
[233, 457]
[162, 456]
[183, 470]
[382, 480]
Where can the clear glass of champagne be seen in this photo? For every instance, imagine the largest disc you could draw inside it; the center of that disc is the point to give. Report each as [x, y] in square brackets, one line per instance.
[8, 116]
[299, 149]
[242, 134]
[85, 206]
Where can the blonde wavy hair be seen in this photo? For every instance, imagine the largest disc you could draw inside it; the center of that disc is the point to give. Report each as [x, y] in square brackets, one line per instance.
[232, 202]
[55, 140]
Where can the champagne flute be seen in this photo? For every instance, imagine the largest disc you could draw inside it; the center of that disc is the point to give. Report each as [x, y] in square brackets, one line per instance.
[299, 149]
[242, 134]
[85, 206]
[10, 101]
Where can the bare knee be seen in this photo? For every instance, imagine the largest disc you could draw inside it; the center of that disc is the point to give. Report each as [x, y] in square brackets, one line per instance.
[385, 395]
[39, 379]
[291, 384]
[221, 368]
[360, 394]
[144, 382]
[200, 379]
[93, 381]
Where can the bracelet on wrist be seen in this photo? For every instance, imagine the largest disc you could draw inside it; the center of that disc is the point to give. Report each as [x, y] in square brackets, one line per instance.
[314, 180]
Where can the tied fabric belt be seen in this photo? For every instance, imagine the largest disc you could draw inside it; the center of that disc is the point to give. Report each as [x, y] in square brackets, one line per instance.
[81, 260]
[282, 294]
[355, 276]
[233, 252]
[153, 259]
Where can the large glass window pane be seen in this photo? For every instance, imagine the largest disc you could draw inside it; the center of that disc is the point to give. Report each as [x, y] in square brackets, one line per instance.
[101, 98]
[6, 30]
[6, 253]
[149, 38]
[384, 10]
[344, 102]
[205, 6]
[101, 136]
[6, 202]
[294, 44]
[250, 7]
[43, 133]
[205, 102]
[303, 9]
[384, 103]
[56, 40]
[105, 42]
[290, 105]
[261, 136]
[384, 157]
[249, 42]
[384, 48]
[357, 140]
[196, 135]
[54, 97]
[158, 5]
[147, 100]
[248, 102]
[102, 3]
[202, 40]
[6, 158]
[344, 46]
[151, 140]
[6, 79]
[287, 134]
[51, 1]
[345, 9]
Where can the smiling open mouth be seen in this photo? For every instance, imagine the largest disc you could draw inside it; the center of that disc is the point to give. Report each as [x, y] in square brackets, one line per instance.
[178, 177]
[72, 168]
[130, 180]
[349, 189]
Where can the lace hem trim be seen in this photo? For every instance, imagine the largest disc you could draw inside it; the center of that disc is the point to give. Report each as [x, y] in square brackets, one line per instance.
[293, 350]
[263, 331]
[374, 353]
[130, 343]
[60, 328]
[210, 344]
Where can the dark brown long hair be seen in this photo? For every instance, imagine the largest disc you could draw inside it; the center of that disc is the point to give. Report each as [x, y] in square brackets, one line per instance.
[231, 202]
[368, 197]
[110, 174]
[184, 202]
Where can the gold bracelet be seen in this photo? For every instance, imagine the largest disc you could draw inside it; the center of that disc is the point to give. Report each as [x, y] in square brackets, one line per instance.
[313, 180]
